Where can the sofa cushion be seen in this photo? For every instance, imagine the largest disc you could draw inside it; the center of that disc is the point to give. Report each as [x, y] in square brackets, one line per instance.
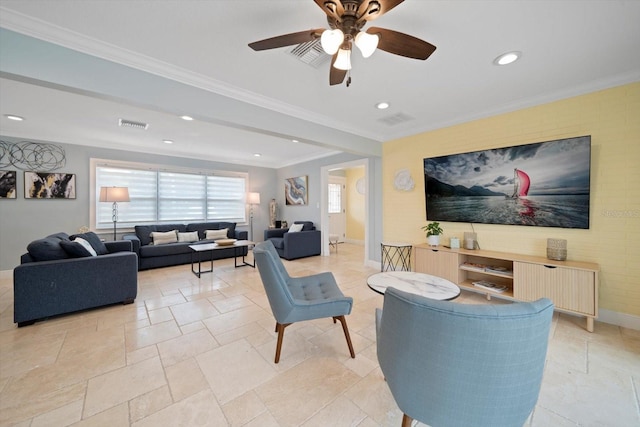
[144, 231]
[164, 237]
[278, 242]
[46, 249]
[306, 225]
[75, 249]
[216, 234]
[190, 236]
[202, 227]
[95, 242]
[164, 250]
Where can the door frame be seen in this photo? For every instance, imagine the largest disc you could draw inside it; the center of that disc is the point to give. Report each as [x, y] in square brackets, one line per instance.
[324, 202]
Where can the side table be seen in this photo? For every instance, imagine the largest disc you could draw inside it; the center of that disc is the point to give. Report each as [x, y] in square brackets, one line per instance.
[395, 256]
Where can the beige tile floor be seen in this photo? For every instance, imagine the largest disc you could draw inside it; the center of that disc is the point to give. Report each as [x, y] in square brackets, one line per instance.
[199, 352]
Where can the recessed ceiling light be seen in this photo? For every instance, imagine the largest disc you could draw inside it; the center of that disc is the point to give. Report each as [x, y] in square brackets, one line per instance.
[294, 140]
[187, 118]
[14, 117]
[257, 154]
[382, 105]
[167, 141]
[507, 58]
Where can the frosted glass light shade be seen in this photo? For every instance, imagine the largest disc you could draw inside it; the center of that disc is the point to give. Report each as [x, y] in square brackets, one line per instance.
[367, 43]
[331, 40]
[343, 61]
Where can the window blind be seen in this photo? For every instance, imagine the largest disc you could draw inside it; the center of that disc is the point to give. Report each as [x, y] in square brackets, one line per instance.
[160, 195]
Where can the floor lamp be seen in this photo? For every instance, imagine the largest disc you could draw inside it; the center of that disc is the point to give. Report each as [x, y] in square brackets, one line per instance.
[252, 199]
[115, 195]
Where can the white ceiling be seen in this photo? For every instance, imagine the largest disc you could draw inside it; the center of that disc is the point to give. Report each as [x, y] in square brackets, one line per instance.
[248, 102]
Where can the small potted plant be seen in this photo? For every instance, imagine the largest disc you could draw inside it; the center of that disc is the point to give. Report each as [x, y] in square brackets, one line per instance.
[433, 233]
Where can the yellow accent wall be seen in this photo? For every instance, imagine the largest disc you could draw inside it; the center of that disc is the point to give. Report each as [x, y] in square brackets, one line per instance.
[355, 205]
[611, 117]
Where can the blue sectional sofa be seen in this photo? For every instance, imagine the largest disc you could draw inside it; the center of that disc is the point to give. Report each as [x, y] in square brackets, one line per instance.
[56, 276]
[290, 245]
[164, 255]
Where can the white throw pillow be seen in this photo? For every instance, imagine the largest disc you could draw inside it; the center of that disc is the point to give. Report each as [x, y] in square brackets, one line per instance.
[295, 228]
[86, 245]
[188, 237]
[215, 234]
[160, 238]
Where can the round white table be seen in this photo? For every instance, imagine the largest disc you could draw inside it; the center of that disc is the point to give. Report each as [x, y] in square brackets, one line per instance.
[422, 284]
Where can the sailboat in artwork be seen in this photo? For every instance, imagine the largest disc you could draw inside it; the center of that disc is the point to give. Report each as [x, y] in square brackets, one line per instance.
[521, 184]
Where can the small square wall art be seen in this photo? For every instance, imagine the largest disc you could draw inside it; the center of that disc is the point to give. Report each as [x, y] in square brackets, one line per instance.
[8, 184]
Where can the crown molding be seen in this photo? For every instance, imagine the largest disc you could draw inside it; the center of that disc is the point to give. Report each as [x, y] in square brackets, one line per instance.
[45, 31]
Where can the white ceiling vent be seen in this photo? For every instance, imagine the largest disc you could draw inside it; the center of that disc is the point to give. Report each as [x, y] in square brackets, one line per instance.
[396, 119]
[131, 124]
[310, 53]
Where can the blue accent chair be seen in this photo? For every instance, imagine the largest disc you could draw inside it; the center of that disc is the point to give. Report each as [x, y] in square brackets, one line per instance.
[294, 299]
[451, 364]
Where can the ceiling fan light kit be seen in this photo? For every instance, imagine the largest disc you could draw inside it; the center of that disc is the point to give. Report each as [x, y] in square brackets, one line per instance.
[346, 18]
[343, 61]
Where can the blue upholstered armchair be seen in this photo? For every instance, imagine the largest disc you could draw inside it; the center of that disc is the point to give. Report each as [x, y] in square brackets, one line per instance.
[450, 364]
[292, 245]
[294, 299]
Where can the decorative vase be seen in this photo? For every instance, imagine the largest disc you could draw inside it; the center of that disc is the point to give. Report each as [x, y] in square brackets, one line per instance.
[433, 240]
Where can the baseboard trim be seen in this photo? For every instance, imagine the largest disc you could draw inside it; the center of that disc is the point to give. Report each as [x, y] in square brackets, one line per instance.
[6, 274]
[620, 319]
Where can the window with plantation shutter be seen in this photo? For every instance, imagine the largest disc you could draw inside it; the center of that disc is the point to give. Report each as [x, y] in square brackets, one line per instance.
[160, 195]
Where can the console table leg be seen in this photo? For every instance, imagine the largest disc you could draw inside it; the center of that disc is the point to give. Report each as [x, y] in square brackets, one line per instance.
[590, 324]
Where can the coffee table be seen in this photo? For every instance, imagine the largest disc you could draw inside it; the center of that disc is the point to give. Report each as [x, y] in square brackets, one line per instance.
[426, 285]
[204, 248]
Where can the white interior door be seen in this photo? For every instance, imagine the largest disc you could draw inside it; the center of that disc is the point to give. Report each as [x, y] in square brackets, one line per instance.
[337, 207]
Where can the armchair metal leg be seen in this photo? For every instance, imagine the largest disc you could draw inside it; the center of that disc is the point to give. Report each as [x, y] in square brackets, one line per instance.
[280, 330]
[346, 334]
[406, 420]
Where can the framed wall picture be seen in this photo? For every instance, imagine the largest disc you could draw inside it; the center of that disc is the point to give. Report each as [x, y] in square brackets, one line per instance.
[295, 190]
[49, 185]
[8, 184]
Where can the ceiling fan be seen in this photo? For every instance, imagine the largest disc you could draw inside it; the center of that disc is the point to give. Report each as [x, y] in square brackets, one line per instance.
[346, 19]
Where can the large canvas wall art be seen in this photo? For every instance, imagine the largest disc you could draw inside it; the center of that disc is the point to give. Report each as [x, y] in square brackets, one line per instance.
[49, 185]
[8, 184]
[543, 184]
[295, 190]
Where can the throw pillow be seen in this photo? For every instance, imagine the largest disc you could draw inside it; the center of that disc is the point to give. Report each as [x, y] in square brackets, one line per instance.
[98, 245]
[85, 244]
[47, 249]
[188, 237]
[215, 234]
[160, 238]
[74, 249]
[295, 228]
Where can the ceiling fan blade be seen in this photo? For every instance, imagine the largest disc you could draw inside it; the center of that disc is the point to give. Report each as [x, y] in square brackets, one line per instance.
[372, 9]
[333, 8]
[402, 44]
[286, 39]
[336, 76]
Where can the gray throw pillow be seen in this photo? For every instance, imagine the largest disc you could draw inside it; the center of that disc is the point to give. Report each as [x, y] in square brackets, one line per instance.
[47, 249]
[94, 241]
[74, 249]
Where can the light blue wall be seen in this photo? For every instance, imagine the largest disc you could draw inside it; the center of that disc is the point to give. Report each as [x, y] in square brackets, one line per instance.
[22, 221]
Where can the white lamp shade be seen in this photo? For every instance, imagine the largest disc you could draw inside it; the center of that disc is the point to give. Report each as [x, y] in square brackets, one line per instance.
[114, 194]
[331, 40]
[343, 61]
[253, 198]
[367, 43]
